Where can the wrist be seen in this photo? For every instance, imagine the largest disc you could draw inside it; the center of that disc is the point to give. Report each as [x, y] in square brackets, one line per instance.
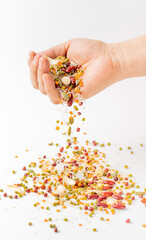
[129, 58]
[119, 61]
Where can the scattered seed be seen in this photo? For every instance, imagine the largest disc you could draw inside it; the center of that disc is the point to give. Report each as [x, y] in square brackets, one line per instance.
[94, 230]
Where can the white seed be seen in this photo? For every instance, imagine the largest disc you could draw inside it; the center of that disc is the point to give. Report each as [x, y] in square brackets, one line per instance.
[52, 61]
[46, 167]
[94, 191]
[111, 201]
[15, 188]
[69, 181]
[100, 185]
[99, 171]
[66, 81]
[61, 189]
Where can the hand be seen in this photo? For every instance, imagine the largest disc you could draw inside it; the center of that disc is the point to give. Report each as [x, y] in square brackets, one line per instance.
[94, 55]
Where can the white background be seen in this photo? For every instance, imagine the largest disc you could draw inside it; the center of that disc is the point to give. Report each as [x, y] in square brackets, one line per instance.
[27, 118]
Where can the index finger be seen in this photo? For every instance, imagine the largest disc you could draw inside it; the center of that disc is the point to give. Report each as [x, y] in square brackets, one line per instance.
[58, 50]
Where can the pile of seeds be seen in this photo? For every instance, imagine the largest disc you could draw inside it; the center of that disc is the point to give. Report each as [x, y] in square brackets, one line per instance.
[78, 175]
[82, 179]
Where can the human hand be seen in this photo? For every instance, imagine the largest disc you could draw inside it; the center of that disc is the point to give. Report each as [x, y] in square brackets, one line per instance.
[105, 64]
[92, 54]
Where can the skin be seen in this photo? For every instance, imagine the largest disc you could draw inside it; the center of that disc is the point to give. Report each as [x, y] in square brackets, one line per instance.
[105, 64]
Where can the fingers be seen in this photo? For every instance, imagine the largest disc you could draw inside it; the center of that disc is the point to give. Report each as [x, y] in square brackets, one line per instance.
[43, 68]
[50, 89]
[33, 70]
[31, 56]
[39, 70]
[58, 50]
[40, 78]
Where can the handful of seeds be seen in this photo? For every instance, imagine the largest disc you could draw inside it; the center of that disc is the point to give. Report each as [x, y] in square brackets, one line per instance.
[67, 77]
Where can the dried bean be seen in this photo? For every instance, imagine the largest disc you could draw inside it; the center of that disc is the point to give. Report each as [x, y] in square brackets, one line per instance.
[71, 120]
[109, 182]
[69, 69]
[65, 96]
[107, 187]
[70, 101]
[117, 197]
[102, 198]
[101, 204]
[118, 206]
[69, 131]
[107, 194]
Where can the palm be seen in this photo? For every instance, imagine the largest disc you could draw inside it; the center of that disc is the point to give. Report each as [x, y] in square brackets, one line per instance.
[95, 57]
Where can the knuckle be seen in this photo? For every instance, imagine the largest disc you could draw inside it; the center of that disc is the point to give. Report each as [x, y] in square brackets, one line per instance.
[45, 76]
[33, 67]
[35, 62]
[31, 56]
